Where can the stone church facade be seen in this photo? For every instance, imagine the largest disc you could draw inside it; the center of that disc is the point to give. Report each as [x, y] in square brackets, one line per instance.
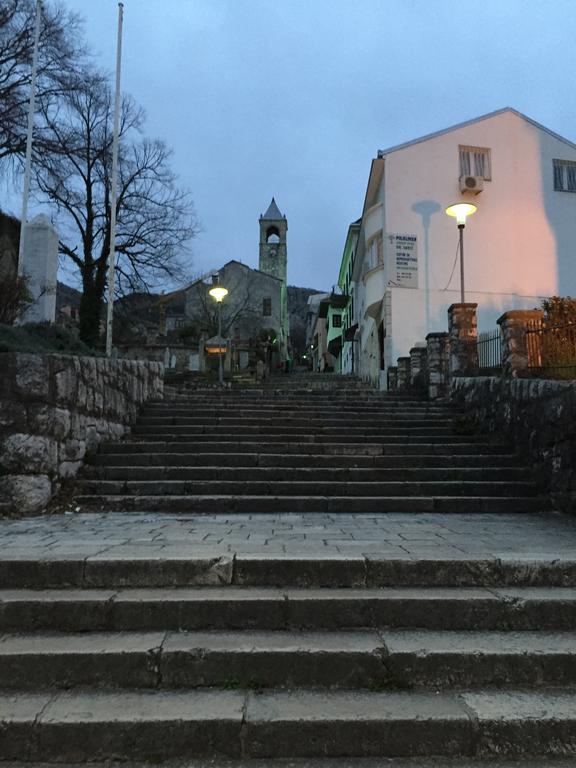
[254, 313]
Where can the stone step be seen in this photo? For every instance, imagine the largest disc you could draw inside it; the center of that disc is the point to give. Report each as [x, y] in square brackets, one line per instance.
[150, 725]
[174, 567]
[328, 407]
[306, 461]
[305, 398]
[186, 434]
[376, 449]
[267, 504]
[337, 762]
[295, 432]
[377, 660]
[237, 608]
[297, 422]
[329, 488]
[284, 410]
[326, 474]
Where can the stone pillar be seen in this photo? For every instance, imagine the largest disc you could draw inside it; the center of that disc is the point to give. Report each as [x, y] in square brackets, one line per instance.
[418, 372]
[438, 364]
[403, 372]
[463, 333]
[515, 352]
[40, 266]
[392, 377]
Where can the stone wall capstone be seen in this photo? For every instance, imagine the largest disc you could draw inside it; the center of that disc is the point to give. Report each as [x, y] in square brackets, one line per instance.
[56, 409]
[538, 415]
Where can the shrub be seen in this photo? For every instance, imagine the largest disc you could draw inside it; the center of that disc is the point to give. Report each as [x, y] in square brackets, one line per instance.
[14, 297]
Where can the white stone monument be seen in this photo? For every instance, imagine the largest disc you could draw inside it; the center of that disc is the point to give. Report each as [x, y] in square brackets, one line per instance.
[40, 265]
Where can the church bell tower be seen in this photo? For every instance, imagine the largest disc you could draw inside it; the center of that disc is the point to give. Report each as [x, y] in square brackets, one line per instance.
[273, 261]
[273, 228]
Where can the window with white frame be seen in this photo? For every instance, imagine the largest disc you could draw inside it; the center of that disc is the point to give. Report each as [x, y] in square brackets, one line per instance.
[565, 175]
[475, 161]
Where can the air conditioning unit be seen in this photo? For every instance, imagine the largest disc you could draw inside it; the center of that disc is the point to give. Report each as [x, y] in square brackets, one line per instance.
[473, 184]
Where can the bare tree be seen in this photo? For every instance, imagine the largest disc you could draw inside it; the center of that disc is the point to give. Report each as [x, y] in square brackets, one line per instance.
[241, 309]
[155, 218]
[61, 53]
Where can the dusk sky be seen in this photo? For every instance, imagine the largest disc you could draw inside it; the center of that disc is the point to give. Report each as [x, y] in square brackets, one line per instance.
[293, 99]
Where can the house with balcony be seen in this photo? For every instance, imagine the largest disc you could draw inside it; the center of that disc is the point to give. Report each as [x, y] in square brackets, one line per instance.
[520, 244]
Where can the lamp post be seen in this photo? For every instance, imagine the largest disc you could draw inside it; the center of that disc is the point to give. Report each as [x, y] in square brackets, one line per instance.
[219, 293]
[460, 211]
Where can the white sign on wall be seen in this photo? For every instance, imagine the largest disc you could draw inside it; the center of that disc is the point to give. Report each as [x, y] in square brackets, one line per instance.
[402, 256]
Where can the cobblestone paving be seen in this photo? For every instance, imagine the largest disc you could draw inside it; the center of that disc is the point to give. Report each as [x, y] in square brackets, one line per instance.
[513, 536]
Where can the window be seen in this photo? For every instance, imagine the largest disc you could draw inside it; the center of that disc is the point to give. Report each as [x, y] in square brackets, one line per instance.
[272, 235]
[375, 252]
[475, 161]
[336, 321]
[267, 307]
[565, 175]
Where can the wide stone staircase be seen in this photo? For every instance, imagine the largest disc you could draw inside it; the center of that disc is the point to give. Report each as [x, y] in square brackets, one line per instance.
[323, 446]
[256, 658]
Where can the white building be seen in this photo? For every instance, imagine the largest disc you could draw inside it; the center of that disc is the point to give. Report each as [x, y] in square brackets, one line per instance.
[520, 245]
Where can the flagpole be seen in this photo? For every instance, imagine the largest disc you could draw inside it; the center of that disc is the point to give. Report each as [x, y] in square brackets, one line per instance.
[31, 110]
[113, 195]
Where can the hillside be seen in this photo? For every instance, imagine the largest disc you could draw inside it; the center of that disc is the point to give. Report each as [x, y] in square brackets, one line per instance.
[297, 310]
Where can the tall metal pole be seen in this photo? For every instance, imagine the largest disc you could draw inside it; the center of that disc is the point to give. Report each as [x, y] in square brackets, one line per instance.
[461, 228]
[31, 110]
[220, 367]
[113, 194]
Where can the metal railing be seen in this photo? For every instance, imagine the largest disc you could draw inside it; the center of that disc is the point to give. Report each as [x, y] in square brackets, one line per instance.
[551, 350]
[489, 352]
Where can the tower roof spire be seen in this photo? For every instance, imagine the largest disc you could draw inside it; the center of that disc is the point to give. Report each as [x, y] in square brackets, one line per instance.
[273, 213]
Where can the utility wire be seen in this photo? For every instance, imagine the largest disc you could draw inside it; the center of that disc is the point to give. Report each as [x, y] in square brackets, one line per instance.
[453, 266]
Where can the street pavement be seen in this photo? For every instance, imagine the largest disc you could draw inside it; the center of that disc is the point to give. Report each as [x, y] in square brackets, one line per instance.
[404, 536]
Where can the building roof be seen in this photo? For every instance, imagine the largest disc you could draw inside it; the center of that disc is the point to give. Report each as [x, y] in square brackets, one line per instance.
[496, 113]
[252, 269]
[168, 297]
[273, 213]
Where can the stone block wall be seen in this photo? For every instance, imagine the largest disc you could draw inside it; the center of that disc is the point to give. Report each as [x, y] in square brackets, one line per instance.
[538, 415]
[56, 409]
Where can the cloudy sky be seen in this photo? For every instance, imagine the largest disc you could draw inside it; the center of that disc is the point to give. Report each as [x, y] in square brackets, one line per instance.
[293, 98]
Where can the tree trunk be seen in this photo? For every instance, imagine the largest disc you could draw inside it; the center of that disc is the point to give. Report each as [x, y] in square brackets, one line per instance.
[92, 307]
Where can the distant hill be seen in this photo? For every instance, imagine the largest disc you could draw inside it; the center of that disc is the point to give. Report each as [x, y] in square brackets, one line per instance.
[66, 296]
[297, 310]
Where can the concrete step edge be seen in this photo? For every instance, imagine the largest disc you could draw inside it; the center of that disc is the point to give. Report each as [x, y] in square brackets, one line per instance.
[100, 725]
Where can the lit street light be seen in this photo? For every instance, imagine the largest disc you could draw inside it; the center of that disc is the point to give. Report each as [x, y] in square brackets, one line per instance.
[460, 211]
[219, 293]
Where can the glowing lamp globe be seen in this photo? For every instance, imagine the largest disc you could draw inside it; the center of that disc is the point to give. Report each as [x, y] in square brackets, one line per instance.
[218, 292]
[460, 211]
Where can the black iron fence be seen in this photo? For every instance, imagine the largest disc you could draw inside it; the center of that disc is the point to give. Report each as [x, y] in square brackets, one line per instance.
[489, 352]
[551, 350]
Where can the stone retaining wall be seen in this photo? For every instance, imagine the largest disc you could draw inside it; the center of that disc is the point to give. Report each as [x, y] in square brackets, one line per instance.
[54, 410]
[538, 415]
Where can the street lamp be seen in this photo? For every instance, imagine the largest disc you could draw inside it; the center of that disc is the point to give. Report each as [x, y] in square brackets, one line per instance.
[460, 211]
[219, 293]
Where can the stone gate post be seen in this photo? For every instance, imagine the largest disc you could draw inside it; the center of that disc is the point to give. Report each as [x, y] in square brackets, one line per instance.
[513, 324]
[403, 372]
[418, 366]
[463, 335]
[438, 364]
[392, 377]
